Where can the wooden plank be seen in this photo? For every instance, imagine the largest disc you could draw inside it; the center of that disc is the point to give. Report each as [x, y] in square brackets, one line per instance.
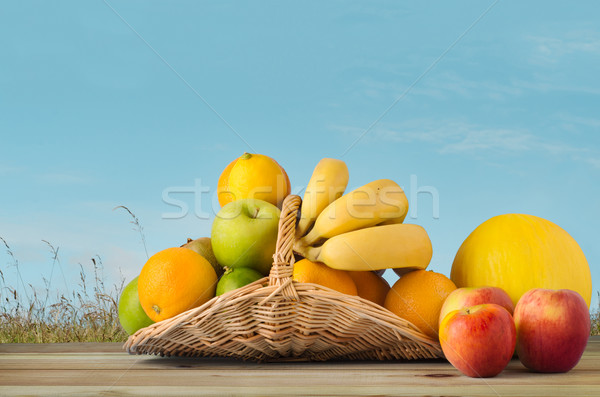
[117, 347]
[118, 362]
[307, 390]
[123, 361]
[90, 369]
[514, 375]
[76, 347]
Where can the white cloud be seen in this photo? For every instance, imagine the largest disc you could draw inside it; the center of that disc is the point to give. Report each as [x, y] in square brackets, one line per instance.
[448, 136]
[553, 49]
[544, 51]
[542, 84]
[442, 86]
[459, 137]
[582, 121]
[450, 84]
[593, 161]
[491, 139]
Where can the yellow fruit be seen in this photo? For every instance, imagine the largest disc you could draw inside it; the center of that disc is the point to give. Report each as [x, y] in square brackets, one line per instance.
[365, 206]
[519, 252]
[253, 176]
[374, 248]
[418, 297]
[306, 271]
[223, 193]
[327, 184]
[173, 281]
[370, 286]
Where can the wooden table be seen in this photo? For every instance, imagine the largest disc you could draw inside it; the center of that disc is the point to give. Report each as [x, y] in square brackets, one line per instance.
[104, 368]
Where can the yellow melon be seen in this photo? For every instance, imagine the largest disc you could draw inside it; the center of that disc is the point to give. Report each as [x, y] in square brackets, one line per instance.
[519, 252]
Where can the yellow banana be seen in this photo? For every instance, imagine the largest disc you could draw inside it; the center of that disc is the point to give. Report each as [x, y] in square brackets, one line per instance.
[405, 246]
[327, 184]
[365, 206]
[393, 221]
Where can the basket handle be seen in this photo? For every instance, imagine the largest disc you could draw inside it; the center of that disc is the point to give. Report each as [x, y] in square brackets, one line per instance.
[283, 259]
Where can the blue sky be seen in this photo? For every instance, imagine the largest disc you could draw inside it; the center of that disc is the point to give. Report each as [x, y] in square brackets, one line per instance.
[106, 103]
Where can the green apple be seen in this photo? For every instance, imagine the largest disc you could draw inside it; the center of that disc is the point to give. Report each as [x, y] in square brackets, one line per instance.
[203, 246]
[131, 315]
[244, 234]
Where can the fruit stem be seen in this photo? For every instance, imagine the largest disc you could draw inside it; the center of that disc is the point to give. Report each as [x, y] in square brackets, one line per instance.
[310, 253]
[189, 240]
[246, 156]
[299, 248]
[156, 309]
[311, 238]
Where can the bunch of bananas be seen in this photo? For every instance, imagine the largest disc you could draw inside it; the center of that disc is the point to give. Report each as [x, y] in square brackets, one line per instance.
[360, 230]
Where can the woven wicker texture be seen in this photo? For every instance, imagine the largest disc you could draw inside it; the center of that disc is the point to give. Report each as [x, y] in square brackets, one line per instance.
[277, 319]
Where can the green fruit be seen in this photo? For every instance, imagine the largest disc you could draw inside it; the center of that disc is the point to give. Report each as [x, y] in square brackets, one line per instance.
[131, 315]
[244, 234]
[203, 246]
[235, 278]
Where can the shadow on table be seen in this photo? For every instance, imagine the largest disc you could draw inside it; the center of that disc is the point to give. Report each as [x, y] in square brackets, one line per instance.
[226, 362]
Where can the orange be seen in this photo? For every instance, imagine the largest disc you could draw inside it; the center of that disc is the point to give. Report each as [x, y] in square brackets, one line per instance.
[175, 280]
[418, 297]
[306, 271]
[253, 176]
[370, 286]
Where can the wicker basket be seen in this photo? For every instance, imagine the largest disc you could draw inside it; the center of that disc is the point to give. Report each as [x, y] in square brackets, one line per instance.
[277, 319]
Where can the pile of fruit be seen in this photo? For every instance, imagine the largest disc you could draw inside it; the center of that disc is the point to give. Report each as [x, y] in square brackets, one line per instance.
[515, 278]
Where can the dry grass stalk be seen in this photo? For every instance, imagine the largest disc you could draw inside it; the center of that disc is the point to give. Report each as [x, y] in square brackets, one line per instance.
[77, 316]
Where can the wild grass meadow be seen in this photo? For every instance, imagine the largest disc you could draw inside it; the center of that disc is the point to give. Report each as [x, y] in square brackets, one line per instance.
[595, 316]
[88, 313]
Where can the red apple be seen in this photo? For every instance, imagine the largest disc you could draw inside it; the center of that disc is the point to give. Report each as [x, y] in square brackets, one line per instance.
[465, 297]
[479, 340]
[553, 327]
